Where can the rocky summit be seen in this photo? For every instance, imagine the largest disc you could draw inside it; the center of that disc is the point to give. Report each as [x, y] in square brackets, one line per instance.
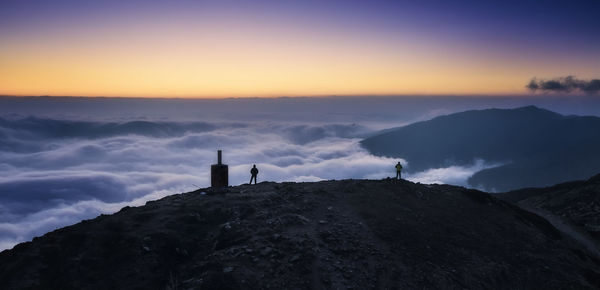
[349, 234]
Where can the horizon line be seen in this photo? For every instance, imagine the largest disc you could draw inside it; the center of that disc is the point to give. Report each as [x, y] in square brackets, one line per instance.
[531, 95]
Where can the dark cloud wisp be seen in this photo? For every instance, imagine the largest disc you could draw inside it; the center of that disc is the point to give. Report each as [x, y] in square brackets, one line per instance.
[565, 84]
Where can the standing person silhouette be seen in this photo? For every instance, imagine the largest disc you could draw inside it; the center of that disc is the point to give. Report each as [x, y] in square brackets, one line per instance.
[254, 173]
[398, 170]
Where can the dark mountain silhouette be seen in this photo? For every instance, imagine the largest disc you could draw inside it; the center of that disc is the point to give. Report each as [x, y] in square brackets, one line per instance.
[536, 147]
[346, 234]
[576, 202]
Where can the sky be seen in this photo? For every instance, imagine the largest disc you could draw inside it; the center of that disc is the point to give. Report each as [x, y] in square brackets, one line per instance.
[216, 49]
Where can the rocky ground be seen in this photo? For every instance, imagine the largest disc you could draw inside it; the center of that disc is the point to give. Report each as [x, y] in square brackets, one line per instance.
[349, 234]
[577, 203]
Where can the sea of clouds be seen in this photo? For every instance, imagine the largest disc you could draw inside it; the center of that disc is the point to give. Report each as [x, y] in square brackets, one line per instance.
[68, 160]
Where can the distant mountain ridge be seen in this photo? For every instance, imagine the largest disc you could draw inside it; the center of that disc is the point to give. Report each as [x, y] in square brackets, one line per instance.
[537, 147]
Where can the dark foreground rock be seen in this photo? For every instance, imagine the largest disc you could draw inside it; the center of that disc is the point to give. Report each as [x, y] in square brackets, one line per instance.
[351, 234]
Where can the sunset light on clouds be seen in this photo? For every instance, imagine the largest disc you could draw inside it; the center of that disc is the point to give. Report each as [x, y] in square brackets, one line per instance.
[280, 48]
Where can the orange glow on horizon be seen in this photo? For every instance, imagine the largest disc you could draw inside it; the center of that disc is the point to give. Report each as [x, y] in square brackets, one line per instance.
[205, 58]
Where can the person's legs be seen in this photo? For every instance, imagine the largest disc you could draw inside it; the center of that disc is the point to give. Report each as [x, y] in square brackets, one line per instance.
[397, 174]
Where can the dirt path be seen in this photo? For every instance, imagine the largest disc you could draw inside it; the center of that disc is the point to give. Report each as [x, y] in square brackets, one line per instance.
[565, 228]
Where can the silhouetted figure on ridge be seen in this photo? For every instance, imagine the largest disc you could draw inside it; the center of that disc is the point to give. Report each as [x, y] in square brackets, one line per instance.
[254, 173]
[398, 170]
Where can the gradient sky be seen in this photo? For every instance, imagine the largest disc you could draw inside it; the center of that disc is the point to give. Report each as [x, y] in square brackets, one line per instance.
[292, 48]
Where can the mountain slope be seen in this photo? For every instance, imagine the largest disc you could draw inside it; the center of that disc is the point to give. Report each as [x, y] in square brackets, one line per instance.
[576, 202]
[334, 234]
[536, 147]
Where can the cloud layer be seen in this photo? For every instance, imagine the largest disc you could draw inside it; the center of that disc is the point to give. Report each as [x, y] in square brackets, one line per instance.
[77, 157]
[55, 172]
[565, 84]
